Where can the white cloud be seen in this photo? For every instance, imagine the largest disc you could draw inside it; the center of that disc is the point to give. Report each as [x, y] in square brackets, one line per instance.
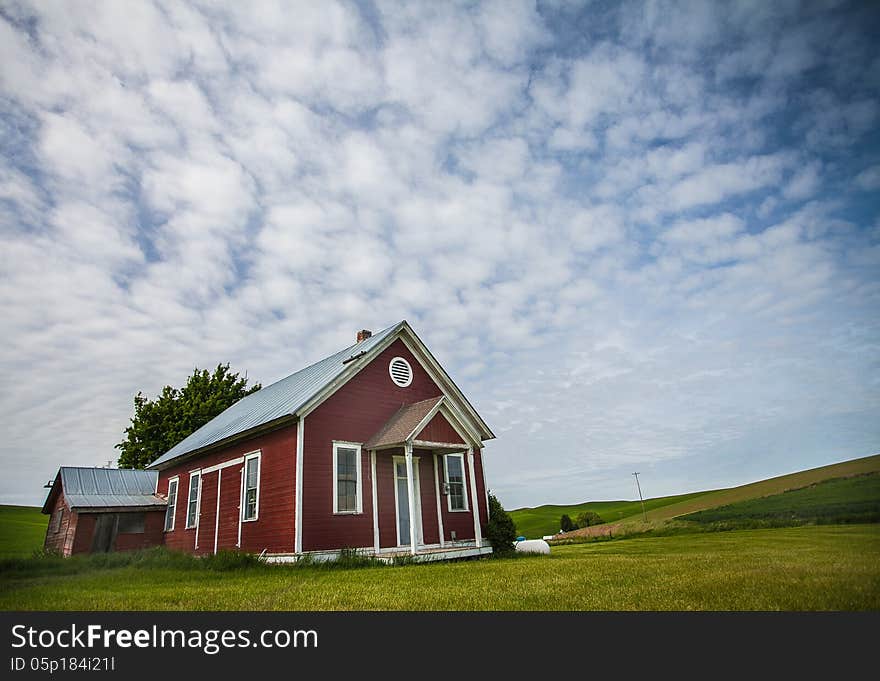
[628, 228]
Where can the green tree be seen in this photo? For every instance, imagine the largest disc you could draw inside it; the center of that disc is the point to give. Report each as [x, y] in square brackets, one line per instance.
[500, 530]
[161, 423]
[588, 518]
[566, 524]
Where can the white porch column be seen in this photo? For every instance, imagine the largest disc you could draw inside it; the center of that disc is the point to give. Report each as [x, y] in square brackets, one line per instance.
[410, 497]
[298, 494]
[217, 514]
[439, 509]
[475, 505]
[375, 501]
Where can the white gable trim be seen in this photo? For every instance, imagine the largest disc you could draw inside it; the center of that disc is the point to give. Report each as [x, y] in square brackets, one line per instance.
[441, 378]
[451, 392]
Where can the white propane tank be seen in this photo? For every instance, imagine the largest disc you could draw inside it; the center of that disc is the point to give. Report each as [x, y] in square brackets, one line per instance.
[533, 546]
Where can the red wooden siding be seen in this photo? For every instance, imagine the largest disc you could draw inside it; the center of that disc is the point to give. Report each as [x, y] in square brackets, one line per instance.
[154, 523]
[353, 414]
[61, 541]
[85, 530]
[481, 490]
[385, 497]
[430, 529]
[460, 521]
[439, 429]
[274, 528]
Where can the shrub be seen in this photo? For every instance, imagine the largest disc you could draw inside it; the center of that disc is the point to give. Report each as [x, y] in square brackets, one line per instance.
[566, 524]
[588, 518]
[500, 530]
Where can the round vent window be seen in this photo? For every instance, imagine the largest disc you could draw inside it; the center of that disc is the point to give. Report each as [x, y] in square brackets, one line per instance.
[401, 372]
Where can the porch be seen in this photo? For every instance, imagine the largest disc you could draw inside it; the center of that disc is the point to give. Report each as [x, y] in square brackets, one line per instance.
[426, 554]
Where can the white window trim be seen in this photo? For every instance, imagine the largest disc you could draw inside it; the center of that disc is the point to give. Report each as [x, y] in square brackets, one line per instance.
[409, 366]
[247, 457]
[359, 496]
[189, 500]
[176, 481]
[467, 506]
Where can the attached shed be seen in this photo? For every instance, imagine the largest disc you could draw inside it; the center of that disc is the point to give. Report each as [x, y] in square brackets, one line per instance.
[95, 510]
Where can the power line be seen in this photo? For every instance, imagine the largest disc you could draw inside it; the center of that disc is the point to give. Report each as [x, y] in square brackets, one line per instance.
[644, 515]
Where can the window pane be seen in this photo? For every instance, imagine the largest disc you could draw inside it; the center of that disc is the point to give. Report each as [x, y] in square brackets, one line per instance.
[172, 505]
[455, 478]
[252, 472]
[456, 472]
[346, 479]
[250, 504]
[456, 496]
[193, 501]
[130, 523]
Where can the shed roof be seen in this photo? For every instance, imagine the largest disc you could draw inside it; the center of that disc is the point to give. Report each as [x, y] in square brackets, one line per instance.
[106, 488]
[400, 427]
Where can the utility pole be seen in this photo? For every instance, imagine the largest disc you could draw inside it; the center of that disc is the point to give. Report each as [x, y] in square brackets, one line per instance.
[644, 515]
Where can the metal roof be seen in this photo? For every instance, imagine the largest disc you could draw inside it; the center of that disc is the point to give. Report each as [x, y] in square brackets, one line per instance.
[282, 398]
[109, 487]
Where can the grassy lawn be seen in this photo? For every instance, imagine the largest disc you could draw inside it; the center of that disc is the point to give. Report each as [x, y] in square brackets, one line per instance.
[22, 530]
[804, 568]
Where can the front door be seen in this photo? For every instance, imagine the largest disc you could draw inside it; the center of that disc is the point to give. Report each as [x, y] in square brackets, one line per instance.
[401, 496]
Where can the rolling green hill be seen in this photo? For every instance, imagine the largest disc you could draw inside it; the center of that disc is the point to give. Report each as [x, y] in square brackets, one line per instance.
[534, 523]
[854, 499]
[22, 530]
[543, 520]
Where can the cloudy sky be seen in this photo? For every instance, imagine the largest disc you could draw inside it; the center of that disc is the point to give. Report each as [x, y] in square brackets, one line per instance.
[639, 236]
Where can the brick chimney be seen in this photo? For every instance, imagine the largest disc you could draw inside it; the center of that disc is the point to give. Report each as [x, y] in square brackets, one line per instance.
[363, 334]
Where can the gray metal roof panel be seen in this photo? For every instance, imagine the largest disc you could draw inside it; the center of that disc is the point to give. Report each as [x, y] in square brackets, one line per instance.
[282, 398]
[109, 487]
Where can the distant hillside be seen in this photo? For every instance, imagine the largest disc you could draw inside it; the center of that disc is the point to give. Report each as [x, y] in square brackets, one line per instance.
[534, 523]
[22, 530]
[543, 520]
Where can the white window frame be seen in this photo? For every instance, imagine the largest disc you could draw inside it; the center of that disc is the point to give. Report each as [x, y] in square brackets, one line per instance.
[248, 457]
[359, 492]
[176, 481]
[189, 499]
[467, 506]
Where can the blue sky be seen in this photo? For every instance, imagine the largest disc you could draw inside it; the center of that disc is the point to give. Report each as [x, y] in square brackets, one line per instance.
[640, 236]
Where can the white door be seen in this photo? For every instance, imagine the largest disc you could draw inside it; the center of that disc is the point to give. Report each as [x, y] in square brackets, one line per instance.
[401, 497]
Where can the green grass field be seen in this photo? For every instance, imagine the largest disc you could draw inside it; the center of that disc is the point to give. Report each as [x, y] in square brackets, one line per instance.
[840, 500]
[804, 568]
[22, 530]
[544, 520]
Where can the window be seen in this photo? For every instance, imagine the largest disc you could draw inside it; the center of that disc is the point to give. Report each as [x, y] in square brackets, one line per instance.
[130, 523]
[171, 509]
[251, 486]
[56, 520]
[192, 507]
[457, 499]
[400, 371]
[347, 473]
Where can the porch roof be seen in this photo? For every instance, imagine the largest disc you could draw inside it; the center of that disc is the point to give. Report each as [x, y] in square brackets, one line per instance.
[399, 428]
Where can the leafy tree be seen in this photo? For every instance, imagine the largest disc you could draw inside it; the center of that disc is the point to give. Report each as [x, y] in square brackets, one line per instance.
[588, 518]
[566, 524]
[161, 423]
[500, 530]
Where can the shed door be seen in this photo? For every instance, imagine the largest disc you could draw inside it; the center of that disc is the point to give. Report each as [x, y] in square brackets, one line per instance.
[105, 533]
